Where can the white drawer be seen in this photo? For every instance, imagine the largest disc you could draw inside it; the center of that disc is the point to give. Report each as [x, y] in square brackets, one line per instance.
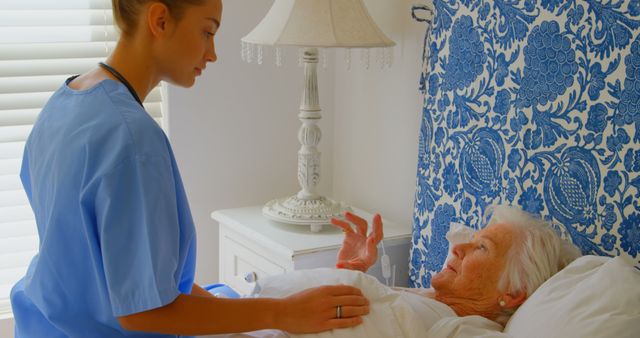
[239, 260]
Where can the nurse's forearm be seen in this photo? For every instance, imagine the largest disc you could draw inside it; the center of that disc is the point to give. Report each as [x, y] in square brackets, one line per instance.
[197, 315]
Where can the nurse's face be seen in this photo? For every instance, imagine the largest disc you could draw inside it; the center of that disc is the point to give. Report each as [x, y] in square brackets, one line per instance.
[190, 45]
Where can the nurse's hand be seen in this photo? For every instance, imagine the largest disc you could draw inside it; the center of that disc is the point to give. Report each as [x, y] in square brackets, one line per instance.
[358, 251]
[315, 309]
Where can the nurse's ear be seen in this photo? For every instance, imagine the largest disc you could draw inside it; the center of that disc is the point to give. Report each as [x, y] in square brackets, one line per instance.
[159, 19]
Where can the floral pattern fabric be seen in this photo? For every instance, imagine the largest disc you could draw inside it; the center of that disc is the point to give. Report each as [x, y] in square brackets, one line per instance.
[534, 103]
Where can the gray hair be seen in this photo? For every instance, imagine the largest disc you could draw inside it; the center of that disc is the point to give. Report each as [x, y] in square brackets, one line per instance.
[536, 255]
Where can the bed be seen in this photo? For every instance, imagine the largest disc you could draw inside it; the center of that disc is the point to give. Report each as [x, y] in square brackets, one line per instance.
[573, 303]
[535, 104]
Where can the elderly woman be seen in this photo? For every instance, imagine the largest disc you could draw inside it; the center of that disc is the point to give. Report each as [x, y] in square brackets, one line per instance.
[491, 275]
[486, 278]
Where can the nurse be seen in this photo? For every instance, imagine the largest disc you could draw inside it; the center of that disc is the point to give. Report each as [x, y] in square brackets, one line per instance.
[117, 241]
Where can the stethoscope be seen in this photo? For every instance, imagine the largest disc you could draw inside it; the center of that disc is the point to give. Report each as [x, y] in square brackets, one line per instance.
[122, 79]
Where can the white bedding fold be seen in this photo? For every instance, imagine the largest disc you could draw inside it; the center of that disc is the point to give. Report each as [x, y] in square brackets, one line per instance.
[466, 327]
[393, 313]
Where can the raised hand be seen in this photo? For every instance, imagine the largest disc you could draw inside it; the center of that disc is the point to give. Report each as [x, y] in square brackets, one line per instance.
[358, 251]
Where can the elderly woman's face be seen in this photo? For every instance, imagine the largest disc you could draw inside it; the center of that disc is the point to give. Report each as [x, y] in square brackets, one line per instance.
[475, 268]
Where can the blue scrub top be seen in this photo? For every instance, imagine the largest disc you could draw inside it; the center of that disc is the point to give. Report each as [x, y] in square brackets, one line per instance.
[116, 233]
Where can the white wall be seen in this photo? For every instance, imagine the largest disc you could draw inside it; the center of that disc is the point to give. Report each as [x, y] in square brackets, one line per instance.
[377, 120]
[235, 133]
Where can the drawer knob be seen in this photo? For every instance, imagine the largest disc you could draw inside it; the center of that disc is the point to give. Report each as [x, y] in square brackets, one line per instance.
[250, 277]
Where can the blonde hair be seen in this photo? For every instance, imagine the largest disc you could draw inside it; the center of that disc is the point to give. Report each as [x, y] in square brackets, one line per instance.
[126, 12]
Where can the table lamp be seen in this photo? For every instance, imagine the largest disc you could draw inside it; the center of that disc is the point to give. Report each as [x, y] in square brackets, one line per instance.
[311, 24]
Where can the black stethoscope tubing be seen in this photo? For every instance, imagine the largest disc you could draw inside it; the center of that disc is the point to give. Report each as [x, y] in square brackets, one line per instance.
[122, 79]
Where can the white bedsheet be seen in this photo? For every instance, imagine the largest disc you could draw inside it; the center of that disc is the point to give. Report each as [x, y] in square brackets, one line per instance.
[466, 327]
[393, 313]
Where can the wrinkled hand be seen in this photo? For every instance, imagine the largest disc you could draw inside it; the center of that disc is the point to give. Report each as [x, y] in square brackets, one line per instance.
[358, 251]
[314, 310]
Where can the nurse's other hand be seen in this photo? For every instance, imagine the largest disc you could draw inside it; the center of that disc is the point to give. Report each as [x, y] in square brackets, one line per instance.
[314, 310]
[358, 251]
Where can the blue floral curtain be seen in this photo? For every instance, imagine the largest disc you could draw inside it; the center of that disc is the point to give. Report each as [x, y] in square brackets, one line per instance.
[533, 103]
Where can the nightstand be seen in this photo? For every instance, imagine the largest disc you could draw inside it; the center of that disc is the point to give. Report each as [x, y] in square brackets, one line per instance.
[253, 247]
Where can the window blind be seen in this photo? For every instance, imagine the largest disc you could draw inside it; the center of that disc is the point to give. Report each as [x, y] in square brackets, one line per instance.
[42, 43]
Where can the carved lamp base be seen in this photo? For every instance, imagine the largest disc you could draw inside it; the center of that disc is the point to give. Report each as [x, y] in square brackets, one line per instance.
[312, 212]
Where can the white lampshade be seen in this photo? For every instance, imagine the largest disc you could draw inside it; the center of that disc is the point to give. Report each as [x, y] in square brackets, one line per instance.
[318, 23]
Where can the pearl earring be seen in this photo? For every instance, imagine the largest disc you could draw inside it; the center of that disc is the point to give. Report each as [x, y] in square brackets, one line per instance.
[502, 303]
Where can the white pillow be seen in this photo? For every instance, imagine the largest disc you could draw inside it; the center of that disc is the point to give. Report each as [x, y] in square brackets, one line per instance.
[592, 297]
